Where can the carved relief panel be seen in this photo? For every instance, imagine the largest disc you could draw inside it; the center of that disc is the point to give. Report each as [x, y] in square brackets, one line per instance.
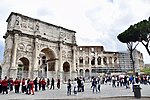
[26, 23]
[69, 54]
[64, 54]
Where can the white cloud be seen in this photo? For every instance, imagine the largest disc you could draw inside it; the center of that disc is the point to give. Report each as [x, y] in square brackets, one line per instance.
[96, 22]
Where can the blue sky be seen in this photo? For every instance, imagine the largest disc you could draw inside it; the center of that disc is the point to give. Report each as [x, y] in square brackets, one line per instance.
[97, 22]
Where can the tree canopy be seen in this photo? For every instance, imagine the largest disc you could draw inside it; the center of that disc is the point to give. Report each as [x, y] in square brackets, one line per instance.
[136, 33]
[139, 32]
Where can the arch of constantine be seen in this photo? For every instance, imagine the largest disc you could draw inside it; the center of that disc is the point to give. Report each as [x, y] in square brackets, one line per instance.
[34, 48]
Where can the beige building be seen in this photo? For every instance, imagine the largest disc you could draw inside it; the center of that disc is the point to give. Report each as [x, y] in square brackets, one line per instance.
[34, 48]
[92, 60]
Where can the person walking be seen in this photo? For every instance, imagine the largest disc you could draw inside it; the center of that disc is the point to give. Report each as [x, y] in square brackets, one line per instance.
[48, 83]
[69, 87]
[52, 84]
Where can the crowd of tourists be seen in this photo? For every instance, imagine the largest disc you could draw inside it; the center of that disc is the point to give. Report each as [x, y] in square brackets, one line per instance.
[125, 80]
[77, 85]
[30, 86]
[27, 86]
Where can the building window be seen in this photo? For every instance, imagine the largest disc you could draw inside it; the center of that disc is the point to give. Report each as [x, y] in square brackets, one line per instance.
[115, 60]
[93, 61]
[110, 60]
[81, 60]
[86, 60]
[99, 60]
[92, 49]
[44, 60]
[80, 49]
[105, 60]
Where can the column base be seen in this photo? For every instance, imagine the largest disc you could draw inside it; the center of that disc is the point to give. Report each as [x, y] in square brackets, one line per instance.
[35, 74]
[74, 75]
[52, 74]
[61, 76]
[13, 73]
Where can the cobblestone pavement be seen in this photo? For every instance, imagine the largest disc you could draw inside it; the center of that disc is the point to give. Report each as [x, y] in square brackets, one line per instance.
[107, 93]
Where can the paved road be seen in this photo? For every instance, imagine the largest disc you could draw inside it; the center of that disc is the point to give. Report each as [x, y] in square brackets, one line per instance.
[107, 93]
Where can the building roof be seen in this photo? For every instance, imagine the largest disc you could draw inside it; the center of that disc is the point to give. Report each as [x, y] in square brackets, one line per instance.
[13, 13]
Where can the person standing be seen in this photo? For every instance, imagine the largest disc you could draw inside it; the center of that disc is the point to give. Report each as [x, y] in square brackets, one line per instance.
[113, 81]
[31, 87]
[52, 84]
[16, 85]
[23, 85]
[5, 85]
[43, 84]
[79, 84]
[11, 84]
[58, 83]
[40, 84]
[27, 87]
[98, 84]
[69, 87]
[75, 86]
[35, 83]
[94, 85]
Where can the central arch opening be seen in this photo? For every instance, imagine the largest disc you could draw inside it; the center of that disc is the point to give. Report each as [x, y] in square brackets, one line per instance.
[23, 68]
[47, 62]
[66, 69]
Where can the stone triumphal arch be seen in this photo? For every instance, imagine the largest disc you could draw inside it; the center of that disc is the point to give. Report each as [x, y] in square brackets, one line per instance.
[34, 48]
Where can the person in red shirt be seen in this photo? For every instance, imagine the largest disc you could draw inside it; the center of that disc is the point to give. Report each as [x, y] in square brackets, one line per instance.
[31, 87]
[5, 85]
[43, 84]
[17, 85]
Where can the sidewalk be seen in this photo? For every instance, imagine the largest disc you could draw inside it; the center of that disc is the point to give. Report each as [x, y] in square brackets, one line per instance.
[107, 93]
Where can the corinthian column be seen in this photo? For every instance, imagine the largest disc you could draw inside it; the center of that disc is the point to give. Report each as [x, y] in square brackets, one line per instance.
[13, 69]
[60, 62]
[74, 72]
[35, 59]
